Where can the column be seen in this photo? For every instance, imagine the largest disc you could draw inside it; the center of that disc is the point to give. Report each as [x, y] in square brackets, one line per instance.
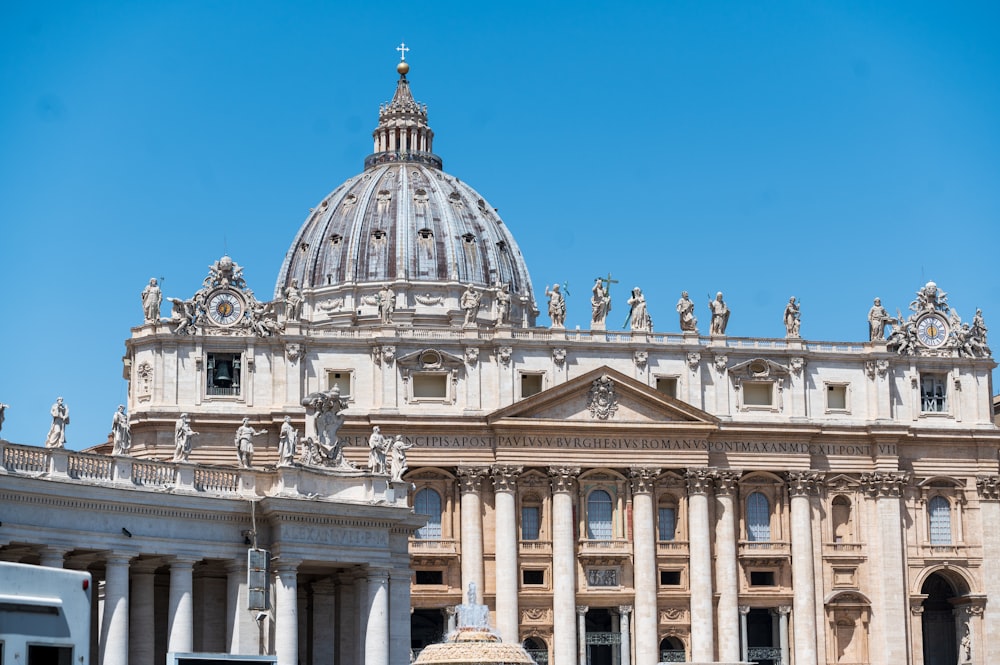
[377, 630]
[504, 485]
[564, 647]
[363, 605]
[286, 619]
[624, 612]
[644, 557]
[142, 621]
[451, 620]
[782, 612]
[988, 488]
[889, 559]
[52, 557]
[399, 610]
[801, 486]
[581, 633]
[180, 620]
[472, 529]
[699, 482]
[726, 574]
[242, 634]
[114, 623]
[744, 642]
[324, 633]
[346, 615]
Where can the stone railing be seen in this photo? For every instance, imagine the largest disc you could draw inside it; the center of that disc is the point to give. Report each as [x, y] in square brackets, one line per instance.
[672, 547]
[420, 546]
[535, 546]
[765, 548]
[772, 654]
[617, 546]
[603, 638]
[673, 656]
[60, 464]
[843, 549]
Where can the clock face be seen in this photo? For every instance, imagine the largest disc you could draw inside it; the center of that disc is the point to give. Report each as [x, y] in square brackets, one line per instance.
[932, 330]
[225, 308]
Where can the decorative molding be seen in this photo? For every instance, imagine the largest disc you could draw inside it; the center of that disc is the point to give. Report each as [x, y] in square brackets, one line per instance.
[726, 481]
[602, 402]
[693, 360]
[472, 355]
[988, 487]
[804, 483]
[796, 365]
[469, 478]
[720, 361]
[885, 484]
[293, 350]
[536, 615]
[504, 354]
[643, 478]
[563, 478]
[673, 614]
[699, 481]
[505, 477]
[640, 358]
[429, 300]
[559, 356]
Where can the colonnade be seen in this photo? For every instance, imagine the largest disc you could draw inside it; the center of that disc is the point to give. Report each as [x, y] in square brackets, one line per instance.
[718, 630]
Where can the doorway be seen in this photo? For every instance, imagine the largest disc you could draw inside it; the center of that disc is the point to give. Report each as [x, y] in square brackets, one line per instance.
[938, 622]
[602, 641]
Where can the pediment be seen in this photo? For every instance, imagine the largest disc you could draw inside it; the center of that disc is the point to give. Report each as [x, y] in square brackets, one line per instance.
[603, 396]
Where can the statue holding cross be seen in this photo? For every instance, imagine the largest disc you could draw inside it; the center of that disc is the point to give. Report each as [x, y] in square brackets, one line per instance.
[600, 302]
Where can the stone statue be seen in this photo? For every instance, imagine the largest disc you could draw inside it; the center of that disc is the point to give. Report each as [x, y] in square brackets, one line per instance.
[262, 319]
[182, 438]
[979, 326]
[121, 432]
[151, 299]
[377, 445]
[386, 304]
[502, 298]
[720, 314]
[639, 316]
[600, 302]
[328, 417]
[3, 409]
[185, 314]
[244, 443]
[472, 593]
[57, 432]
[930, 299]
[877, 320]
[904, 336]
[965, 647]
[293, 302]
[557, 306]
[470, 303]
[792, 318]
[288, 440]
[397, 461]
[685, 310]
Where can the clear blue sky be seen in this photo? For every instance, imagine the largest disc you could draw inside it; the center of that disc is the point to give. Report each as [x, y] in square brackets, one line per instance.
[834, 151]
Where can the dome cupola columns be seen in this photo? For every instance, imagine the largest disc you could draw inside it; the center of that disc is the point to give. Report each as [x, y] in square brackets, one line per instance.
[402, 134]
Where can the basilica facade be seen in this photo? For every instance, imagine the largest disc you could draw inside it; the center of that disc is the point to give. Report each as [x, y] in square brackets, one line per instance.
[412, 430]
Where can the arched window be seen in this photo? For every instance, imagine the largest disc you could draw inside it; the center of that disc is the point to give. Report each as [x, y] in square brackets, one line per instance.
[428, 502]
[599, 515]
[758, 518]
[667, 519]
[840, 514]
[940, 513]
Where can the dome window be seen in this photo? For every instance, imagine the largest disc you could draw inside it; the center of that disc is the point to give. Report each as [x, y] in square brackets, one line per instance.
[502, 246]
[378, 234]
[350, 200]
[336, 239]
[425, 234]
[304, 246]
[469, 239]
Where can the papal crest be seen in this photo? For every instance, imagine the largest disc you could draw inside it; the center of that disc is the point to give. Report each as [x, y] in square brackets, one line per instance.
[602, 401]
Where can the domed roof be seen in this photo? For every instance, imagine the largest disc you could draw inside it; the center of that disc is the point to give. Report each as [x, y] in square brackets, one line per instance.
[403, 219]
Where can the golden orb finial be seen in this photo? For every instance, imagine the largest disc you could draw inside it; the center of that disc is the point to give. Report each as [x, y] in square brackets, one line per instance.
[403, 68]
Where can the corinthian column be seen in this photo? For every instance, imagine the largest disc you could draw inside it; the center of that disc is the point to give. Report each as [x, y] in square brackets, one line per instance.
[890, 565]
[801, 486]
[626, 647]
[699, 482]
[988, 488]
[504, 487]
[563, 565]
[725, 566]
[472, 529]
[644, 556]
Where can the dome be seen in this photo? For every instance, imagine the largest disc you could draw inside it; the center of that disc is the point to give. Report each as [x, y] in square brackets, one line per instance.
[405, 222]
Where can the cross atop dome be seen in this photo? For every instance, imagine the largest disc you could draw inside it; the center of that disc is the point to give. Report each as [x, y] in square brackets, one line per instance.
[403, 134]
[402, 48]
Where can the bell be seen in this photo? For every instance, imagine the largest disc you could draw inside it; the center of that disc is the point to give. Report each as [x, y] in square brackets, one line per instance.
[224, 374]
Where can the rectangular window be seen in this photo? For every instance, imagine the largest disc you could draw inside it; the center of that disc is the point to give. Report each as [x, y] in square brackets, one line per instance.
[531, 384]
[530, 522]
[761, 578]
[836, 397]
[223, 374]
[430, 386]
[49, 655]
[667, 522]
[933, 393]
[428, 577]
[342, 380]
[667, 385]
[533, 577]
[670, 578]
[758, 394]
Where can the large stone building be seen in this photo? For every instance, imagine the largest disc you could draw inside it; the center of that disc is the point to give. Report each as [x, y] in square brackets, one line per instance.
[612, 497]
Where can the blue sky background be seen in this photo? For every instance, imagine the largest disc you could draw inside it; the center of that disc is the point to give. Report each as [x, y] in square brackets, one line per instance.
[834, 151]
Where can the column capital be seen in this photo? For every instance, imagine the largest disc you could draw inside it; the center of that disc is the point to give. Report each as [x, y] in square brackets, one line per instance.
[625, 610]
[988, 487]
[744, 609]
[286, 565]
[563, 478]
[182, 561]
[469, 477]
[505, 477]
[885, 483]
[643, 478]
[450, 610]
[699, 480]
[804, 483]
[376, 573]
[147, 566]
[119, 558]
[582, 609]
[783, 610]
[726, 481]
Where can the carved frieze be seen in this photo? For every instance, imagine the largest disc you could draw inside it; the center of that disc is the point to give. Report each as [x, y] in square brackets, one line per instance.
[796, 364]
[471, 355]
[693, 360]
[331, 305]
[640, 358]
[293, 351]
[428, 300]
[536, 615]
[672, 614]
[720, 361]
[988, 487]
[504, 354]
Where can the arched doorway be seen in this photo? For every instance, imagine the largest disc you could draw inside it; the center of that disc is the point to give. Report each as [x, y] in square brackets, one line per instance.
[672, 651]
[426, 627]
[537, 649]
[938, 621]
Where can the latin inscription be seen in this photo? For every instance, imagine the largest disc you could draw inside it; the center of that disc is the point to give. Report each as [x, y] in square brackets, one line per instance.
[335, 536]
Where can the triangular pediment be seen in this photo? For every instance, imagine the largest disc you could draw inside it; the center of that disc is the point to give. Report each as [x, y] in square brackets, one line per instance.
[603, 396]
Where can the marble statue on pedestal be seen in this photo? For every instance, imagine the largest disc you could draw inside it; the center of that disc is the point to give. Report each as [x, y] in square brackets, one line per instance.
[293, 302]
[502, 299]
[56, 437]
[639, 318]
[878, 318]
[377, 445]
[720, 314]
[121, 432]
[685, 310]
[288, 440]
[792, 318]
[557, 306]
[397, 458]
[244, 442]
[386, 304]
[151, 299]
[600, 302]
[470, 303]
[182, 438]
[327, 413]
[3, 410]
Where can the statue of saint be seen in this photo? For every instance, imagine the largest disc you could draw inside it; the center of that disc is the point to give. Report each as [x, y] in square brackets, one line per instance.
[386, 304]
[639, 318]
[293, 301]
[3, 409]
[182, 438]
[685, 310]
[792, 318]
[151, 299]
[244, 443]
[600, 302]
[57, 432]
[397, 460]
[503, 303]
[877, 320]
[121, 432]
[377, 445]
[470, 303]
[557, 306]
[720, 314]
[288, 440]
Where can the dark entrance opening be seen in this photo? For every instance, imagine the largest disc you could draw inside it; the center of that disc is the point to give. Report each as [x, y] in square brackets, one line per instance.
[537, 649]
[938, 622]
[762, 637]
[426, 627]
[672, 651]
[601, 641]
